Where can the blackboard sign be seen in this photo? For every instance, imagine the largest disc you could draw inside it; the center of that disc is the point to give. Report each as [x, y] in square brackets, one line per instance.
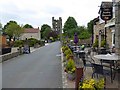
[106, 11]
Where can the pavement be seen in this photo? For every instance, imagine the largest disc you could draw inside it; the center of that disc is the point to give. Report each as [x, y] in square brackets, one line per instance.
[87, 75]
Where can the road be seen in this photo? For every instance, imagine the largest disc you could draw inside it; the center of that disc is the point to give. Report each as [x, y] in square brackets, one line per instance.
[40, 69]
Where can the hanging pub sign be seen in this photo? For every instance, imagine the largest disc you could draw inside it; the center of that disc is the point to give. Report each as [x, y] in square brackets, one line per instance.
[106, 11]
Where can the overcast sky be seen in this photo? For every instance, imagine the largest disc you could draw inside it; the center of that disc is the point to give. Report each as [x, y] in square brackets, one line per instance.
[39, 12]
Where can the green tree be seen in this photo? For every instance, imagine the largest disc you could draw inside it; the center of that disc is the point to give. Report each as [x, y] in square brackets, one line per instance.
[69, 26]
[18, 32]
[5, 26]
[27, 26]
[84, 35]
[90, 26]
[0, 29]
[0, 25]
[13, 30]
[46, 33]
[45, 30]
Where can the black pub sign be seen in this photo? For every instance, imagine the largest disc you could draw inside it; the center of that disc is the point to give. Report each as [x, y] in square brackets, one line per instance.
[106, 11]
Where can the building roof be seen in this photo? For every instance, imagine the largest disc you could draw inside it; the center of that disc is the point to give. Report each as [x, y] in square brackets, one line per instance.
[95, 20]
[31, 30]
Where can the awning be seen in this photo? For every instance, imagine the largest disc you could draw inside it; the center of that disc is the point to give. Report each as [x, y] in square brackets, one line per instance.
[110, 24]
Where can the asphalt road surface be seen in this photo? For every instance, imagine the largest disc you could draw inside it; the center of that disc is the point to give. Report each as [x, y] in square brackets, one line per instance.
[40, 69]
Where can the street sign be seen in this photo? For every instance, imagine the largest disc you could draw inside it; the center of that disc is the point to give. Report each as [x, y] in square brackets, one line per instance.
[106, 11]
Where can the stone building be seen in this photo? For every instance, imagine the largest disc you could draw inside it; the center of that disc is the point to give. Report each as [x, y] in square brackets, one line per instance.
[57, 25]
[31, 33]
[100, 28]
[117, 26]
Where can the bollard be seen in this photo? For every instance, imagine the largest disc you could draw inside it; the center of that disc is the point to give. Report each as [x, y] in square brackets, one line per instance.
[79, 75]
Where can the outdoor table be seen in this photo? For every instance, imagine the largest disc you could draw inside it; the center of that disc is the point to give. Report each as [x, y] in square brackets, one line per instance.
[74, 48]
[113, 57]
[78, 52]
[81, 54]
[109, 57]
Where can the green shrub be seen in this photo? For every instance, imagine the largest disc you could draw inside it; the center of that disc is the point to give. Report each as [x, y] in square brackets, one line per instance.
[68, 52]
[103, 43]
[96, 43]
[68, 56]
[70, 65]
[32, 41]
[42, 43]
[18, 43]
[64, 48]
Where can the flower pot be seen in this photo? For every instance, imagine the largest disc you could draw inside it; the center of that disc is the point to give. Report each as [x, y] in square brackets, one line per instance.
[71, 57]
[71, 76]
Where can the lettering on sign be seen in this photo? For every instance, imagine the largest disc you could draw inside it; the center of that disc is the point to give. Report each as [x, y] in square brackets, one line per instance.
[106, 11]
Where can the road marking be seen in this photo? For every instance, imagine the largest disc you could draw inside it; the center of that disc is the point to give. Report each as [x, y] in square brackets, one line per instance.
[58, 55]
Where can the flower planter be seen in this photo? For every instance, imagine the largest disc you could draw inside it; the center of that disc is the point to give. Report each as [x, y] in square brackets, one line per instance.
[71, 76]
[71, 57]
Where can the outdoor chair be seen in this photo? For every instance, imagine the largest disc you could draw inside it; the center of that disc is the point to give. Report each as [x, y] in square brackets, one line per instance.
[82, 56]
[102, 51]
[98, 70]
[88, 57]
[116, 70]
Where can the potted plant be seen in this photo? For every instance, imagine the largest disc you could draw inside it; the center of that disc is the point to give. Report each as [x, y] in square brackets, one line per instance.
[92, 84]
[71, 74]
[70, 69]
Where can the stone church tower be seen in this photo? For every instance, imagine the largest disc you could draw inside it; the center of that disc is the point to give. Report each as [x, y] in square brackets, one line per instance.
[57, 25]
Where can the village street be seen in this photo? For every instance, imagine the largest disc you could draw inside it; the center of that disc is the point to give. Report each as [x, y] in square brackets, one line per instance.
[40, 69]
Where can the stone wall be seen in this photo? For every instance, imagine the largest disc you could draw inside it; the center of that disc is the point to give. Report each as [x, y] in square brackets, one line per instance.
[109, 37]
[97, 28]
[117, 28]
[30, 35]
[8, 56]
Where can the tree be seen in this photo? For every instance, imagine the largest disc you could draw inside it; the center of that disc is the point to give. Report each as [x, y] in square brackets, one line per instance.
[0, 29]
[27, 26]
[13, 30]
[45, 30]
[90, 26]
[83, 32]
[18, 31]
[53, 34]
[46, 33]
[0, 25]
[69, 25]
[8, 24]
[84, 35]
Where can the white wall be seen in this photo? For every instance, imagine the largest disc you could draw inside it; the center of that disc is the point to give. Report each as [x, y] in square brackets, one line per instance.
[30, 35]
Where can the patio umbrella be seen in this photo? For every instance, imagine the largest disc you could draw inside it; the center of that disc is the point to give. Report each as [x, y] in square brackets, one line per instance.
[75, 38]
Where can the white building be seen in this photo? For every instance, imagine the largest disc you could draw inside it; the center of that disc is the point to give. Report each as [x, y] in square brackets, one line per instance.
[31, 33]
